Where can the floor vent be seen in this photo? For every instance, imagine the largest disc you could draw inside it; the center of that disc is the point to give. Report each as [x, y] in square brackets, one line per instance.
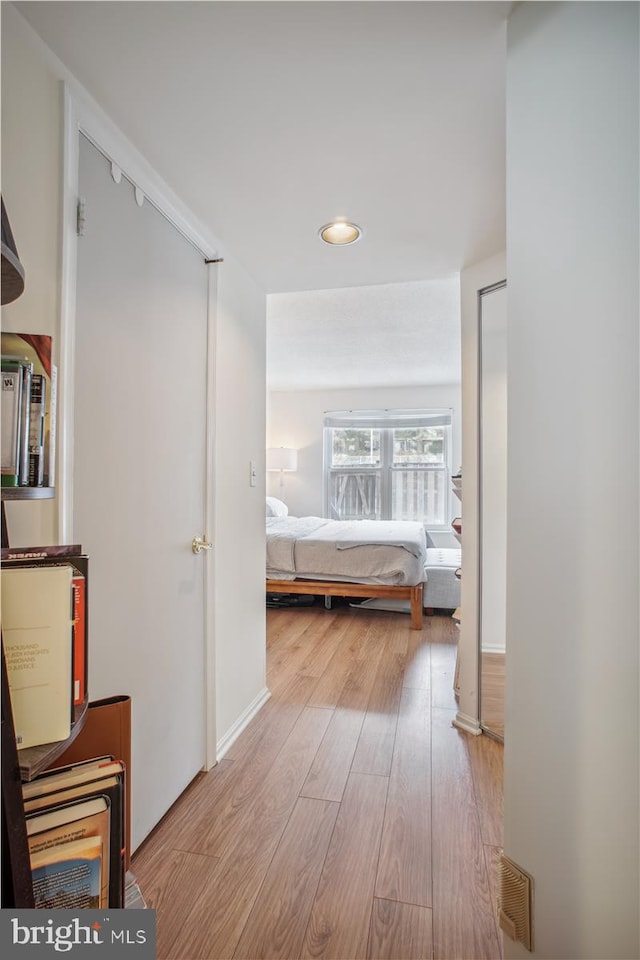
[515, 902]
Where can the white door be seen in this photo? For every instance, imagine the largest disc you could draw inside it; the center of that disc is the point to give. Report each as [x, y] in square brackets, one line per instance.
[139, 477]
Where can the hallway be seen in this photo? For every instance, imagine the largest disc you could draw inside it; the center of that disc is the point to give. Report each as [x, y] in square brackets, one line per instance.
[349, 820]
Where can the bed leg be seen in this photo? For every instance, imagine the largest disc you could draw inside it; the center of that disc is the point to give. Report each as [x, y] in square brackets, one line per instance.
[327, 603]
[416, 607]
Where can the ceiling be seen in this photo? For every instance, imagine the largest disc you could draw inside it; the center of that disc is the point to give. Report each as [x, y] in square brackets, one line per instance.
[374, 336]
[269, 119]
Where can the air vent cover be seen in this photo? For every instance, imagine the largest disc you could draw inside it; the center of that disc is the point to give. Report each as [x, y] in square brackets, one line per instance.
[515, 902]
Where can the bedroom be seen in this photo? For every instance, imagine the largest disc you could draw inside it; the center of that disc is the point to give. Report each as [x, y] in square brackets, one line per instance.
[378, 352]
[552, 543]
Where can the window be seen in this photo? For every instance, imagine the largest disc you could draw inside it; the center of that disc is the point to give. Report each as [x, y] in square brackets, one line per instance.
[388, 465]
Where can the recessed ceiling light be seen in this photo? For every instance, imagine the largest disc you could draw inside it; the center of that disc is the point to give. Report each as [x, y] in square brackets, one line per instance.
[340, 232]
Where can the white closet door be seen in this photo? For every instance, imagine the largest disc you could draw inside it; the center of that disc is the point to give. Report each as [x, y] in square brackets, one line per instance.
[139, 477]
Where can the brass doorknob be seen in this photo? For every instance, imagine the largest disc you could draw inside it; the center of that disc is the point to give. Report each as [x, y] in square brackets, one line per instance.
[199, 543]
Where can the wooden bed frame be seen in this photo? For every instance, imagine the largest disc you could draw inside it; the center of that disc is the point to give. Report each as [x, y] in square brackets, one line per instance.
[335, 588]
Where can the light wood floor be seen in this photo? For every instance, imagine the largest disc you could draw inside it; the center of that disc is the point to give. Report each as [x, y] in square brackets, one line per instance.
[350, 819]
[492, 699]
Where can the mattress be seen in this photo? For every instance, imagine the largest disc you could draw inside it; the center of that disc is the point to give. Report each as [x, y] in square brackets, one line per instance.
[360, 551]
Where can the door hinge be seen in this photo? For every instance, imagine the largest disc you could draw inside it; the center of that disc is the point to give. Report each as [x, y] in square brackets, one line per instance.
[81, 216]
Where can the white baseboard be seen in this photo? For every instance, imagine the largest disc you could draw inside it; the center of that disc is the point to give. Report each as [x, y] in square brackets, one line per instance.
[241, 723]
[493, 648]
[468, 724]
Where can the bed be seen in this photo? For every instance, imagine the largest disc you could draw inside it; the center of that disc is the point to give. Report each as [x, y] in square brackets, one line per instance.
[335, 558]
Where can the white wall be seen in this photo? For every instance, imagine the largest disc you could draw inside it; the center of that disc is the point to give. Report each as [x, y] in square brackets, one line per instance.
[31, 177]
[295, 419]
[32, 128]
[474, 278]
[239, 547]
[571, 753]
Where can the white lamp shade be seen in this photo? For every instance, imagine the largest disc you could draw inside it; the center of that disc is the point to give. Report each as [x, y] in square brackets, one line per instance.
[282, 458]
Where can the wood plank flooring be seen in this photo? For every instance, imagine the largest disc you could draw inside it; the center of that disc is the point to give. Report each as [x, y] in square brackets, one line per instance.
[492, 666]
[350, 820]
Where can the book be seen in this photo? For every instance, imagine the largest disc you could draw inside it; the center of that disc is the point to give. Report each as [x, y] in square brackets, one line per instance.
[25, 421]
[69, 877]
[106, 730]
[74, 775]
[65, 555]
[79, 638]
[37, 637]
[53, 829]
[11, 409]
[13, 363]
[36, 430]
[102, 780]
[87, 788]
[41, 553]
[37, 348]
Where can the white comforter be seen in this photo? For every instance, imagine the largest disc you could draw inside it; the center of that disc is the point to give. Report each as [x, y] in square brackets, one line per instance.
[364, 551]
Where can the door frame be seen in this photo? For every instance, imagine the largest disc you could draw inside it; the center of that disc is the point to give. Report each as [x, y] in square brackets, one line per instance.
[82, 116]
[481, 524]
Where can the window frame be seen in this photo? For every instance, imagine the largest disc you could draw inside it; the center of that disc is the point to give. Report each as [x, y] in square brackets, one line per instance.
[386, 421]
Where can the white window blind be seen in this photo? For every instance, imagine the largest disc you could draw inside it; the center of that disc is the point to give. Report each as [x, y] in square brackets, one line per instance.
[388, 419]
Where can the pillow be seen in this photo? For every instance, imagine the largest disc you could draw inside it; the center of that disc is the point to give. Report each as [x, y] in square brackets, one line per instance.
[276, 508]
